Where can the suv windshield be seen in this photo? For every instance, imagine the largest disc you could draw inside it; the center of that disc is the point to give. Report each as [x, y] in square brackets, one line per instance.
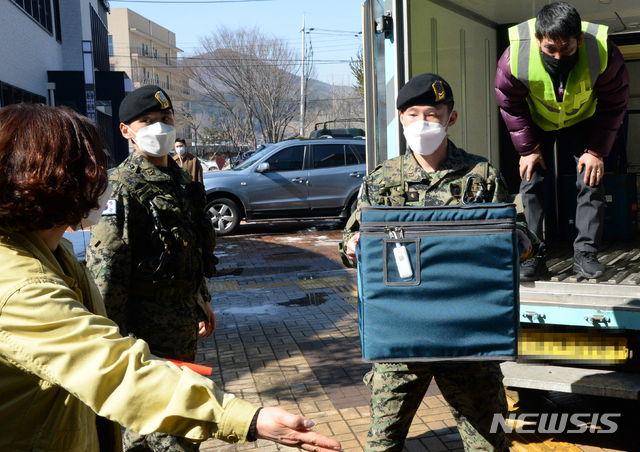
[250, 160]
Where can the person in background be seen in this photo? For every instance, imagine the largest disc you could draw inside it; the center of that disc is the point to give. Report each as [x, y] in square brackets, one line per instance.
[187, 161]
[152, 253]
[67, 375]
[562, 81]
[432, 172]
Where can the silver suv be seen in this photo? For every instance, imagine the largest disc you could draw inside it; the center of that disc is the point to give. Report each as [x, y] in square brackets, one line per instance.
[297, 179]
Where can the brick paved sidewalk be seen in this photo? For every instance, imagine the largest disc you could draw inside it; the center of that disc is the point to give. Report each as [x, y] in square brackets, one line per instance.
[287, 335]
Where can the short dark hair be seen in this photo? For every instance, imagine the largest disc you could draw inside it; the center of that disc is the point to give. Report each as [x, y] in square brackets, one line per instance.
[54, 167]
[558, 21]
[181, 140]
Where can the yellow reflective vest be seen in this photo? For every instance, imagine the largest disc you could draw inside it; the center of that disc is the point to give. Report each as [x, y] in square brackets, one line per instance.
[579, 100]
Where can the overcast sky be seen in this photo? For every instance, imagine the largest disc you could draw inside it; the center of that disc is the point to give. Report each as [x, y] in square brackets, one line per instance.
[335, 22]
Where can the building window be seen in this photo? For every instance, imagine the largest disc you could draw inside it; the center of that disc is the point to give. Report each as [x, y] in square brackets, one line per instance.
[56, 18]
[40, 10]
[155, 54]
[10, 95]
[111, 46]
[100, 41]
[145, 49]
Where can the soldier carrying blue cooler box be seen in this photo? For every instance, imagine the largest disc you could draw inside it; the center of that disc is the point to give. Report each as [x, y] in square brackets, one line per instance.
[433, 172]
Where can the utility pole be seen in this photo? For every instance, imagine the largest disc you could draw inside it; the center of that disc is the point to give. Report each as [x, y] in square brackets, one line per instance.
[302, 103]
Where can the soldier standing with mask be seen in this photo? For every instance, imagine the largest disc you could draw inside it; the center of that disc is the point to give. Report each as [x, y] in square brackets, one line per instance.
[562, 81]
[432, 172]
[151, 252]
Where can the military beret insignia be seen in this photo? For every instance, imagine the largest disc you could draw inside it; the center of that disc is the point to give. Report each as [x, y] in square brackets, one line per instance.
[164, 102]
[438, 89]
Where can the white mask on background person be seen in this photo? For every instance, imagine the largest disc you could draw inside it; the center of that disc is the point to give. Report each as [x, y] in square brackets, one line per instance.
[156, 139]
[180, 150]
[93, 217]
[424, 137]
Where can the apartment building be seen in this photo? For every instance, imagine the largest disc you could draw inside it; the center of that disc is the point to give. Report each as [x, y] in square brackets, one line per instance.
[56, 52]
[147, 52]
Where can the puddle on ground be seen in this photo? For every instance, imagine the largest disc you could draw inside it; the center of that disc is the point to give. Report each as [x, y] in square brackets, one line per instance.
[311, 299]
[251, 310]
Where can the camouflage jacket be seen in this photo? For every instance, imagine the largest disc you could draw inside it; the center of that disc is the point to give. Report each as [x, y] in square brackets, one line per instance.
[402, 181]
[157, 244]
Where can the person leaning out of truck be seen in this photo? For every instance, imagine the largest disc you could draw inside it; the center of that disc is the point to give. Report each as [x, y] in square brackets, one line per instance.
[563, 81]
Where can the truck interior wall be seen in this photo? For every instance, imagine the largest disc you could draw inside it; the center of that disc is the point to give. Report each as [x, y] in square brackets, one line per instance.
[464, 52]
[633, 129]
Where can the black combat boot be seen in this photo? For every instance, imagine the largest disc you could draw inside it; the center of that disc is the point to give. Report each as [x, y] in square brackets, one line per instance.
[585, 263]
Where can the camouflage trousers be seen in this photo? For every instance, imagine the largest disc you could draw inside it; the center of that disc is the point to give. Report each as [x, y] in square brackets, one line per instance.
[170, 329]
[156, 442]
[474, 392]
[171, 340]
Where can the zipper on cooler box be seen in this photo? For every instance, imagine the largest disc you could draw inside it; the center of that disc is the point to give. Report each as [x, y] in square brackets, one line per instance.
[401, 230]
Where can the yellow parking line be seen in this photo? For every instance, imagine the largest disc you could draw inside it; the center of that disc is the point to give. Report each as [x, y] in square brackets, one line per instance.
[222, 286]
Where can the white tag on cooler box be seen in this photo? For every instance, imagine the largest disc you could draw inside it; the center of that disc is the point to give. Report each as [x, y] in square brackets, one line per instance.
[402, 261]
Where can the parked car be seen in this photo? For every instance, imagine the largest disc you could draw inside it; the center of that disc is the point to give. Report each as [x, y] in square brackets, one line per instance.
[208, 165]
[297, 179]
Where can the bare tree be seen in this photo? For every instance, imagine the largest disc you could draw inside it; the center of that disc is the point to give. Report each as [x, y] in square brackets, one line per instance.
[253, 77]
[342, 108]
[184, 116]
[213, 134]
[357, 69]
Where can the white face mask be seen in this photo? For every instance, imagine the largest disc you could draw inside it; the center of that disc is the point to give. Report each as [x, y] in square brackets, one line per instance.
[156, 139]
[425, 137]
[93, 217]
[181, 150]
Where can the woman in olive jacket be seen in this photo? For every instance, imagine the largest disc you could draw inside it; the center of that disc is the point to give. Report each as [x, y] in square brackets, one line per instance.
[64, 367]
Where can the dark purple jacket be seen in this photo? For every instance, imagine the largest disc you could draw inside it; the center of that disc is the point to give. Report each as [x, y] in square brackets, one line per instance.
[612, 92]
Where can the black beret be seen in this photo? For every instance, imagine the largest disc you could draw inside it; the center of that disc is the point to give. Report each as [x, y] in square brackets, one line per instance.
[424, 89]
[142, 100]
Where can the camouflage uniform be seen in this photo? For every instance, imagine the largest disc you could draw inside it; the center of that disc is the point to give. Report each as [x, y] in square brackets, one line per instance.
[149, 260]
[473, 390]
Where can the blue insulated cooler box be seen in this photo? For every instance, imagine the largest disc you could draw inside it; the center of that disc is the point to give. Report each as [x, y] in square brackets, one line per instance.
[438, 283]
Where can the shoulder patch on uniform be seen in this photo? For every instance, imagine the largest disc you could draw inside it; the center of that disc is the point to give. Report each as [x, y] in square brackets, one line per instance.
[110, 208]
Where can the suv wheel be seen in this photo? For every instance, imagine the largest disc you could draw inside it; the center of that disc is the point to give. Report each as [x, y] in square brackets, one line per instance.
[225, 215]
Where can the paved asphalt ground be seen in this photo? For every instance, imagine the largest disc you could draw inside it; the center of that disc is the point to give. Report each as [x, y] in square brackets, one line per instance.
[287, 335]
